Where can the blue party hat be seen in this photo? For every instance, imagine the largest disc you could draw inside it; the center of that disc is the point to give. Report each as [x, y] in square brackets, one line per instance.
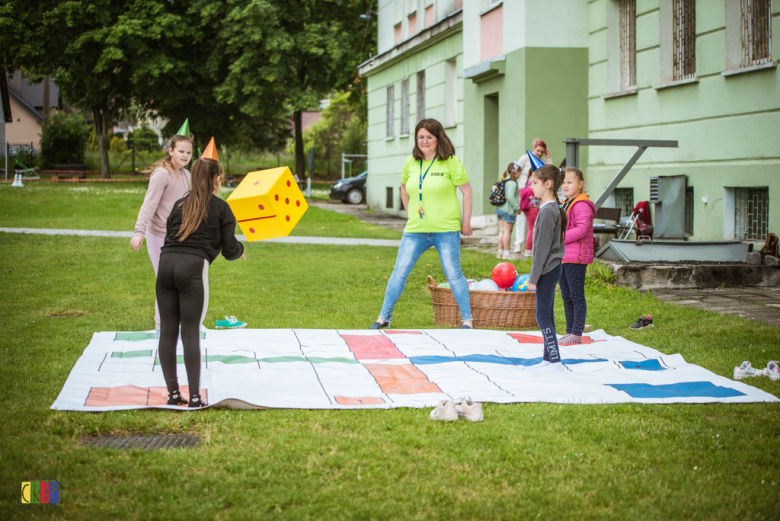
[536, 163]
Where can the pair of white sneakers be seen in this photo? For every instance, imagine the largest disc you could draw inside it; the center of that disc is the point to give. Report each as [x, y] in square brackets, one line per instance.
[547, 367]
[745, 370]
[461, 409]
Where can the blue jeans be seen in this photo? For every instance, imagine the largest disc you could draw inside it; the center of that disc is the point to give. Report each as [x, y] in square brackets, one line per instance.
[412, 246]
[545, 316]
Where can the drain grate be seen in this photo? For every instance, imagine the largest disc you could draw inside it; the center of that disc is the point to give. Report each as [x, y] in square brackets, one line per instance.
[158, 442]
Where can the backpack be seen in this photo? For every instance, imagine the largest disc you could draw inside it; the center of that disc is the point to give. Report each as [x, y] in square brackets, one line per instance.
[497, 195]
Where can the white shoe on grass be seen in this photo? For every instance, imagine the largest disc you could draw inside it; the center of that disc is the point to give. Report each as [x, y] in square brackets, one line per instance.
[773, 370]
[745, 370]
[500, 254]
[445, 411]
[468, 410]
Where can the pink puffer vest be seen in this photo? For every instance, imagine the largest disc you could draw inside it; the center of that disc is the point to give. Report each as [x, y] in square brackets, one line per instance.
[579, 231]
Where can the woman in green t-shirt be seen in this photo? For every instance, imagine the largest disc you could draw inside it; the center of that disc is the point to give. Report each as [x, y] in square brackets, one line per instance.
[428, 189]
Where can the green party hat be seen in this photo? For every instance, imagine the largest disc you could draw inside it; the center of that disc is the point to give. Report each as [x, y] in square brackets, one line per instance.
[185, 128]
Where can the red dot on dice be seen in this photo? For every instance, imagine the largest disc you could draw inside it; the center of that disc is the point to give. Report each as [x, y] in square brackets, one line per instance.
[257, 183]
[276, 197]
[286, 200]
[261, 206]
[297, 203]
[251, 230]
[288, 183]
[288, 218]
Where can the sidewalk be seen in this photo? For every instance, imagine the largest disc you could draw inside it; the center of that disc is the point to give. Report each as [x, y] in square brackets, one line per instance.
[338, 241]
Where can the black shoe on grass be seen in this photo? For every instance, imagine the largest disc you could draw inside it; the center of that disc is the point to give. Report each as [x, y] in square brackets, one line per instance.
[196, 402]
[175, 398]
[642, 323]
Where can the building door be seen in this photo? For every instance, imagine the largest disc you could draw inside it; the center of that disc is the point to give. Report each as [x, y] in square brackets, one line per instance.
[490, 165]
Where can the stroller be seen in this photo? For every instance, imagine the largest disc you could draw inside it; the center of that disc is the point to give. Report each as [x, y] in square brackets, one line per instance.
[640, 223]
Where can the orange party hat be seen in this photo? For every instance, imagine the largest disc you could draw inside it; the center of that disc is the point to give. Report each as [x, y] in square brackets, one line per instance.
[211, 151]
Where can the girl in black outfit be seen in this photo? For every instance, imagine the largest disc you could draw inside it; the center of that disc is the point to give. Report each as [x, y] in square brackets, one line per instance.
[199, 226]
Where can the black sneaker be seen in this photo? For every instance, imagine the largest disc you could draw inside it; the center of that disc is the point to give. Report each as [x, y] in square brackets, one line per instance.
[175, 398]
[196, 402]
[642, 323]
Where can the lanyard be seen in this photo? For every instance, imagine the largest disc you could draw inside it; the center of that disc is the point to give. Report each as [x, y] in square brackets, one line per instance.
[422, 178]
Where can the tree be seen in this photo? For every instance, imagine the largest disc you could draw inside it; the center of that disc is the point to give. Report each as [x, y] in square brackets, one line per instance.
[99, 51]
[287, 54]
[341, 130]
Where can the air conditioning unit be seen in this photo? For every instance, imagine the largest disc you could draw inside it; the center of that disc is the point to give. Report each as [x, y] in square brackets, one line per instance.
[667, 193]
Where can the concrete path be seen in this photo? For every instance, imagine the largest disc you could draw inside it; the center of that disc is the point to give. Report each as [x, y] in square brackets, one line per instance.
[361, 212]
[338, 241]
[762, 304]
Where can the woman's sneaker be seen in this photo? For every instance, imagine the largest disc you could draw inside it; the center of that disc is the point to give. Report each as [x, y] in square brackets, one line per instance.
[642, 323]
[230, 323]
[773, 370]
[445, 411]
[745, 370]
[468, 410]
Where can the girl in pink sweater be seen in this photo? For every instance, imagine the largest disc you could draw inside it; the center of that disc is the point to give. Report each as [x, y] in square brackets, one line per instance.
[580, 211]
[168, 182]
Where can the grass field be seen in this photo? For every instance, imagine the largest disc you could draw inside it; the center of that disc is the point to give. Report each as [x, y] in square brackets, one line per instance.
[525, 461]
[114, 207]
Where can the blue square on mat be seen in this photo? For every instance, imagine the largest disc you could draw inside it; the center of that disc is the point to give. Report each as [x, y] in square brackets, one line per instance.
[678, 390]
[643, 365]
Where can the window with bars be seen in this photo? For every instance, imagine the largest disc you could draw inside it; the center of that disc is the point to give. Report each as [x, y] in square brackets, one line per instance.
[420, 95]
[751, 213]
[624, 199]
[684, 39]
[627, 44]
[756, 33]
[405, 107]
[688, 211]
[390, 115]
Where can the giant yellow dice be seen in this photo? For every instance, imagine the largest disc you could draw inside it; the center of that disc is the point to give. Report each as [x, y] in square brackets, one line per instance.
[267, 204]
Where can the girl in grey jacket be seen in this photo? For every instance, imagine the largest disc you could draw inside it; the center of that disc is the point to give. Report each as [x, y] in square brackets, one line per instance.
[548, 253]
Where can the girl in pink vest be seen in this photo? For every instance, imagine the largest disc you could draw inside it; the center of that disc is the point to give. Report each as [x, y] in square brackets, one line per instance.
[169, 181]
[580, 212]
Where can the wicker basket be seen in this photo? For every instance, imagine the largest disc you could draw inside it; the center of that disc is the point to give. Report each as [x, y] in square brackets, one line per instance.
[490, 309]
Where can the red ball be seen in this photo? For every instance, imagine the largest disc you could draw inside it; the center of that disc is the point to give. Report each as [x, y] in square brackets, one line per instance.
[504, 275]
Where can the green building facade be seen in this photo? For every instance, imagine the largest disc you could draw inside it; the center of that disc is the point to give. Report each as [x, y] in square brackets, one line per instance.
[500, 73]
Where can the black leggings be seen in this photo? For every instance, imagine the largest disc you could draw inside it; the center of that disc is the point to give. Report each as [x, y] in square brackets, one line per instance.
[545, 316]
[573, 292]
[183, 297]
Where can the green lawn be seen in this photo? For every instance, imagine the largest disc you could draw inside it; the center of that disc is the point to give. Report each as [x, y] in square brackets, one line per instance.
[114, 206]
[525, 461]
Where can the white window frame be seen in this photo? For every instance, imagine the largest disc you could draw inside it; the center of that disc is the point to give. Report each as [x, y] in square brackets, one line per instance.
[420, 95]
[450, 93]
[390, 112]
[404, 107]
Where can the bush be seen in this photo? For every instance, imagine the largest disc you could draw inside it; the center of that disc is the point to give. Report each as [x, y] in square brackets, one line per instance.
[63, 139]
[118, 145]
[600, 271]
[144, 138]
